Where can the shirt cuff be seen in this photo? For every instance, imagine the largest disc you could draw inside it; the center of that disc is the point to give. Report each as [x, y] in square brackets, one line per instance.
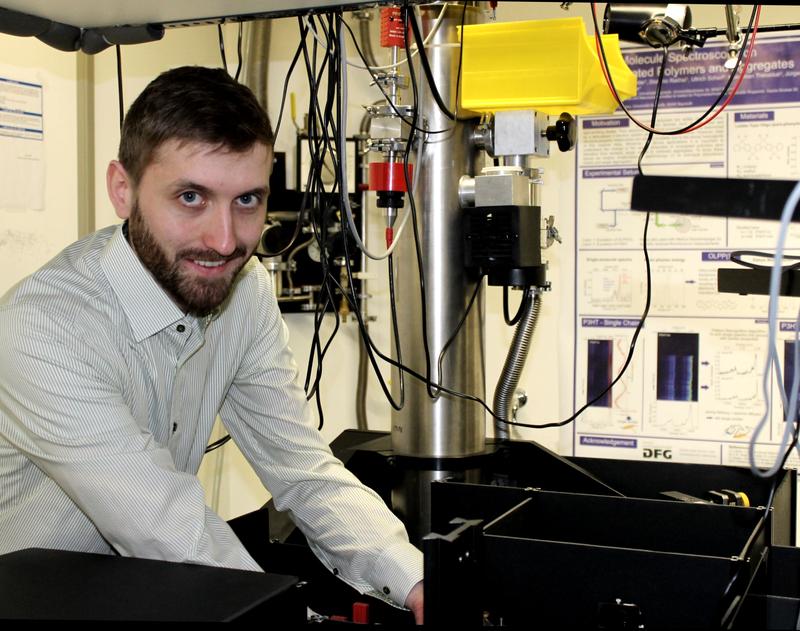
[395, 572]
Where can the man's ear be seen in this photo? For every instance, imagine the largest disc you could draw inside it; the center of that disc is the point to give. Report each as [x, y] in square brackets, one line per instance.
[120, 189]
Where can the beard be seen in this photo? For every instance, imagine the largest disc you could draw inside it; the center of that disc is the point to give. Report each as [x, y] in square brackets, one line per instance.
[194, 295]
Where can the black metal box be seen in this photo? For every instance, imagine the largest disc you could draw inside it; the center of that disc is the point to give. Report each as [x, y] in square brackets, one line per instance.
[568, 560]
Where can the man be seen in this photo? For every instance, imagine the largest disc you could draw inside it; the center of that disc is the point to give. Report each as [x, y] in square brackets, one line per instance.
[117, 356]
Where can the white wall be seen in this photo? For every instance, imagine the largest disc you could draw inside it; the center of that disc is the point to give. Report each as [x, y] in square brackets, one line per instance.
[30, 236]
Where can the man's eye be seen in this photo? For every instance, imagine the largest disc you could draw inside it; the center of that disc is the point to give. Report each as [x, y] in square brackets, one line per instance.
[249, 200]
[191, 198]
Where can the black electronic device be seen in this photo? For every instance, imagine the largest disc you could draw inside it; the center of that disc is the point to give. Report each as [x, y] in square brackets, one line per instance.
[723, 197]
[522, 533]
[564, 560]
[756, 281]
[41, 584]
[504, 243]
[299, 275]
[711, 196]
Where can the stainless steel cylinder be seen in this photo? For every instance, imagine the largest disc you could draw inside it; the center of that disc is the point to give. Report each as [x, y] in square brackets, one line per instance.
[447, 426]
[257, 58]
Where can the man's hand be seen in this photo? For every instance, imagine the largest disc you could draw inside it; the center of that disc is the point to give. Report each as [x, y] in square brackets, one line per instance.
[414, 602]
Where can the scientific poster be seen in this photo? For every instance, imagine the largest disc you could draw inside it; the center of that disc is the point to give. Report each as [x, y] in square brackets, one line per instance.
[693, 389]
[21, 145]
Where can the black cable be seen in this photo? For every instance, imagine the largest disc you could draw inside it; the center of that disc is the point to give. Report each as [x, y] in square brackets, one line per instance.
[426, 68]
[303, 205]
[460, 56]
[314, 108]
[119, 86]
[523, 305]
[459, 326]
[239, 52]
[312, 187]
[318, 147]
[222, 47]
[649, 291]
[217, 443]
[413, 206]
[324, 123]
[736, 257]
[321, 311]
[707, 112]
[289, 76]
[322, 352]
[655, 110]
[396, 330]
[325, 301]
[355, 308]
[368, 343]
[429, 383]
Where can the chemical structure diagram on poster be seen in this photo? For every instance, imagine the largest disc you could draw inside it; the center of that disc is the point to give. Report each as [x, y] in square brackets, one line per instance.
[693, 391]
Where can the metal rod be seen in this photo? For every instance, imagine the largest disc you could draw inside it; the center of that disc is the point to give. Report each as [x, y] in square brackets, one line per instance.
[716, 32]
[447, 426]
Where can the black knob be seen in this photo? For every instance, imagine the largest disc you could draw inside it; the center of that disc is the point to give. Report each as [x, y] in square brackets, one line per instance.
[563, 132]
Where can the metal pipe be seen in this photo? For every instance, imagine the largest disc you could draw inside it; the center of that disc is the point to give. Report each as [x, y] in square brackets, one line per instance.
[515, 362]
[363, 364]
[515, 161]
[449, 426]
[731, 24]
[364, 18]
[257, 59]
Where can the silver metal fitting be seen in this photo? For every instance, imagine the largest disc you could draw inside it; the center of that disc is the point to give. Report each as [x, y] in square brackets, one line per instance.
[466, 191]
[550, 233]
[502, 186]
[388, 80]
[521, 133]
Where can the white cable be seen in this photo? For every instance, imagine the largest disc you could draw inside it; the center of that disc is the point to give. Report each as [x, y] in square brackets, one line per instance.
[793, 399]
[773, 360]
[425, 42]
[348, 211]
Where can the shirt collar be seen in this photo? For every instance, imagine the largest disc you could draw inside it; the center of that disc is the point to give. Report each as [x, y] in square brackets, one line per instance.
[147, 306]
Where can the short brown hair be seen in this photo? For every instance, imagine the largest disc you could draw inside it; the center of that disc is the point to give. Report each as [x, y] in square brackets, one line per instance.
[195, 104]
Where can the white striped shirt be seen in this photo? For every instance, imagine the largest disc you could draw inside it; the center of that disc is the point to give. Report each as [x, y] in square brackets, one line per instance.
[108, 395]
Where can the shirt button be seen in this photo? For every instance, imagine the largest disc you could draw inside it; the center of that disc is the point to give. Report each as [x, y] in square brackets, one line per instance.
[386, 590]
[180, 328]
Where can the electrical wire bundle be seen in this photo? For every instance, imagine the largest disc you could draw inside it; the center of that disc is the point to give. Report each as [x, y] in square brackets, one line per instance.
[327, 207]
[323, 49]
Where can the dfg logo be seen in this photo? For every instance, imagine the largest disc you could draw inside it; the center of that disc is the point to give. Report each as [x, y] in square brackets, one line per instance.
[657, 454]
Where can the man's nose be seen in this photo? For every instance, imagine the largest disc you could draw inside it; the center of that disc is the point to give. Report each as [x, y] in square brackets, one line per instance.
[219, 232]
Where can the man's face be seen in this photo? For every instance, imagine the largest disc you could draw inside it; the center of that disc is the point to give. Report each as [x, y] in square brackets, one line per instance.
[196, 217]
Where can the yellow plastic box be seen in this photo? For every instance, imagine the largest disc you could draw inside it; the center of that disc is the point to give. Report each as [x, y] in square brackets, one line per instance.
[547, 65]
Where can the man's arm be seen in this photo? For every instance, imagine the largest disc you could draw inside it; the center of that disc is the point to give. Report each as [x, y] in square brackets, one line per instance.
[61, 408]
[348, 525]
